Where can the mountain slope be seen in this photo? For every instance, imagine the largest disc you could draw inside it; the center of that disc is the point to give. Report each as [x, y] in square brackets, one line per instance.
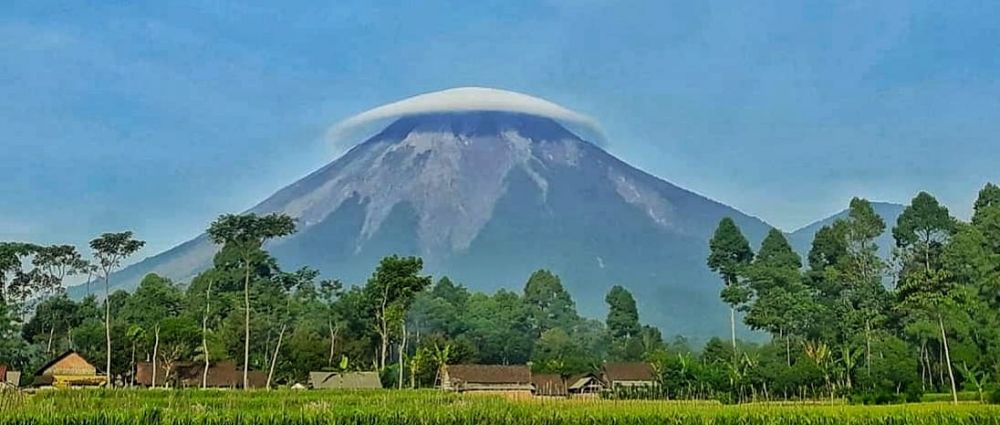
[802, 238]
[488, 197]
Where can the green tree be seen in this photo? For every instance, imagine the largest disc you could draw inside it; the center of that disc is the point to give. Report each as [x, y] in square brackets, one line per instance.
[781, 304]
[729, 255]
[862, 271]
[389, 293]
[56, 262]
[110, 249]
[989, 198]
[53, 320]
[245, 235]
[17, 281]
[549, 302]
[623, 315]
[500, 327]
[923, 227]
[931, 297]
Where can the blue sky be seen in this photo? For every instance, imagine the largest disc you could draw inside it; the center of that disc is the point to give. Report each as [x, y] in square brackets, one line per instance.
[158, 116]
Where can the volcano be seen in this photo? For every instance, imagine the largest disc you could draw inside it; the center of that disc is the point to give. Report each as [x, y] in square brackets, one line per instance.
[488, 196]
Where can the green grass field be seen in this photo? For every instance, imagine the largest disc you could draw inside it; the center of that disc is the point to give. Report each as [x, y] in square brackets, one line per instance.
[145, 407]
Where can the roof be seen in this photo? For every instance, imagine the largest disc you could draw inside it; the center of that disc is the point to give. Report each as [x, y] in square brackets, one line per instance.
[220, 374]
[631, 371]
[489, 374]
[345, 380]
[549, 385]
[60, 358]
[579, 382]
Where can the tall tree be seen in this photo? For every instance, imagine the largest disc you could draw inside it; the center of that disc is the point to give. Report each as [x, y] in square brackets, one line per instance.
[57, 262]
[389, 293]
[549, 302]
[245, 236]
[729, 255]
[923, 227]
[781, 304]
[862, 271]
[921, 232]
[110, 249]
[16, 280]
[989, 198]
[623, 315]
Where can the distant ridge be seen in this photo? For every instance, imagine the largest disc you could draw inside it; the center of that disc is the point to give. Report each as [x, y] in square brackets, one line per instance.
[802, 238]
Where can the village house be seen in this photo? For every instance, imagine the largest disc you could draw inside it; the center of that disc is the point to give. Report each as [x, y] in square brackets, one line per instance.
[223, 374]
[344, 380]
[585, 385]
[69, 370]
[514, 381]
[629, 374]
[9, 378]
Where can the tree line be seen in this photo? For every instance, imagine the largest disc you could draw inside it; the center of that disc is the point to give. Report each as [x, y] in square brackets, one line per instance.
[246, 308]
[843, 322]
[850, 322]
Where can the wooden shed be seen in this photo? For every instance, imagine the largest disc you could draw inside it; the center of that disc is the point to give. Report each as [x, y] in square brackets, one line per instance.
[69, 370]
[488, 379]
[628, 374]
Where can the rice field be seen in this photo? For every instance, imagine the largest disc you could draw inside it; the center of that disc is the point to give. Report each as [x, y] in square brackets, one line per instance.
[146, 407]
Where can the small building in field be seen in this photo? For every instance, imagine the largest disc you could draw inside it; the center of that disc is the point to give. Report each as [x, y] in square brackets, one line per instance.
[585, 385]
[549, 385]
[628, 374]
[9, 378]
[69, 370]
[512, 381]
[344, 381]
[223, 374]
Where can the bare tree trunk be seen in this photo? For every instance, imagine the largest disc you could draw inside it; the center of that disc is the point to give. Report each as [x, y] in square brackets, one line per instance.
[52, 331]
[940, 365]
[947, 359]
[274, 358]
[402, 353]
[156, 347]
[333, 342]
[923, 365]
[868, 346]
[204, 335]
[133, 366]
[246, 340]
[107, 326]
[384, 329]
[732, 328]
[788, 348]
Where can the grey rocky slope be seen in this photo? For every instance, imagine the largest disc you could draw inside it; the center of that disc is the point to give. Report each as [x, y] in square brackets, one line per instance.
[488, 197]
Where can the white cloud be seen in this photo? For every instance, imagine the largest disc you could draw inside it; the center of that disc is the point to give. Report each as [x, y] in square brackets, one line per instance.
[466, 99]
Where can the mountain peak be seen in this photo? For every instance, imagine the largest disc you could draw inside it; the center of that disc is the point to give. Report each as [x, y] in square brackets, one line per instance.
[469, 99]
[488, 195]
[469, 124]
